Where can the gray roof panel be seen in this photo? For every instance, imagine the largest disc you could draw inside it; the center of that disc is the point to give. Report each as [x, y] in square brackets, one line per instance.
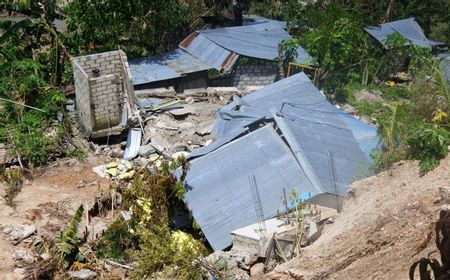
[219, 193]
[170, 65]
[408, 28]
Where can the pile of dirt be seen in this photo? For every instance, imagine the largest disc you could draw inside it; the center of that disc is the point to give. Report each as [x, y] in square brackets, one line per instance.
[386, 225]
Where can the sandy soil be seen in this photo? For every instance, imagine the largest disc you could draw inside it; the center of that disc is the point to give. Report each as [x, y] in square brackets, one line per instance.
[387, 224]
[48, 201]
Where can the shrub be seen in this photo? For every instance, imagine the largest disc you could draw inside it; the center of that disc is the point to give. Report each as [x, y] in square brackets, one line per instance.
[429, 144]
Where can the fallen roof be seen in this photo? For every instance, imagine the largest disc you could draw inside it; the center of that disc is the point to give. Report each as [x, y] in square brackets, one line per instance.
[327, 150]
[219, 194]
[174, 64]
[220, 47]
[408, 28]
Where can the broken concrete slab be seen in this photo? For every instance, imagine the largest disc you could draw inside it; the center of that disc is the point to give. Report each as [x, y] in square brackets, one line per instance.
[205, 128]
[145, 151]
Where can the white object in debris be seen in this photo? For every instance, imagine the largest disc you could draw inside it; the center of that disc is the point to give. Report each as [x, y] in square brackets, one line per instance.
[126, 215]
[133, 143]
[177, 154]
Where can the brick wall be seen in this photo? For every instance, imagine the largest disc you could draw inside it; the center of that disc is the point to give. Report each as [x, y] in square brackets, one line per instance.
[255, 75]
[106, 101]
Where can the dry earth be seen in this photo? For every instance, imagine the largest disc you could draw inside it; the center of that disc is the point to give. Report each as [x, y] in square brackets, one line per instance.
[387, 224]
[48, 201]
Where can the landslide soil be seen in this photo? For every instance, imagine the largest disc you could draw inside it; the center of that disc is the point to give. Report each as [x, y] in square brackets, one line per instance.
[48, 200]
[387, 224]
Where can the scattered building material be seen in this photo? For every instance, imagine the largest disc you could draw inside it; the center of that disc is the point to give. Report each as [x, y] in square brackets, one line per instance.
[287, 135]
[408, 28]
[104, 95]
[133, 143]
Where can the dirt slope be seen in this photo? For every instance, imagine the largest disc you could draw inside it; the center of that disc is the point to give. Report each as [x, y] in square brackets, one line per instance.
[48, 201]
[386, 225]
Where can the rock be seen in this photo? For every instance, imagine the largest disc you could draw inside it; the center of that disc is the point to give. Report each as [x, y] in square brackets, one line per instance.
[117, 153]
[186, 128]
[145, 151]
[257, 269]
[205, 128]
[349, 109]
[189, 100]
[369, 97]
[159, 141]
[46, 256]
[178, 147]
[18, 233]
[181, 112]
[20, 273]
[445, 194]
[83, 274]
[250, 259]
[24, 257]
[237, 274]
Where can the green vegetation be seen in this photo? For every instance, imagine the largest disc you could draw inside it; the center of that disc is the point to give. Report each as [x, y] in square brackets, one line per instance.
[147, 238]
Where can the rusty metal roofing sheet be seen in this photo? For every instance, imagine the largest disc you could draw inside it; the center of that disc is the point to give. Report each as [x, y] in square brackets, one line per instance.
[209, 52]
[170, 65]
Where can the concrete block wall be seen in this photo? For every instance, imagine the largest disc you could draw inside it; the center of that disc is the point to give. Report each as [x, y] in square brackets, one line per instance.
[106, 101]
[255, 75]
[102, 98]
[83, 97]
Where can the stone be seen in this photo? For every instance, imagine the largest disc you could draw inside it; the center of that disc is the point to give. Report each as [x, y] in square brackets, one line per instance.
[178, 147]
[83, 274]
[145, 151]
[369, 97]
[160, 142]
[186, 128]
[24, 257]
[257, 269]
[445, 194]
[250, 259]
[20, 273]
[349, 109]
[46, 256]
[18, 233]
[204, 128]
[237, 274]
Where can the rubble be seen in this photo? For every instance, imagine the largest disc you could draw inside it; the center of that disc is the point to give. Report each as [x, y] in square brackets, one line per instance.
[83, 274]
[18, 233]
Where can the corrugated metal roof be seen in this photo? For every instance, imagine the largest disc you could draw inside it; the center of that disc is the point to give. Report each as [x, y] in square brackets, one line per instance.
[209, 52]
[329, 146]
[219, 193]
[259, 40]
[170, 65]
[408, 28]
[444, 64]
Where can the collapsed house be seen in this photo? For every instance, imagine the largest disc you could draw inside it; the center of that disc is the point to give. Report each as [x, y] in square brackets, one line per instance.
[408, 28]
[286, 135]
[219, 49]
[104, 92]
